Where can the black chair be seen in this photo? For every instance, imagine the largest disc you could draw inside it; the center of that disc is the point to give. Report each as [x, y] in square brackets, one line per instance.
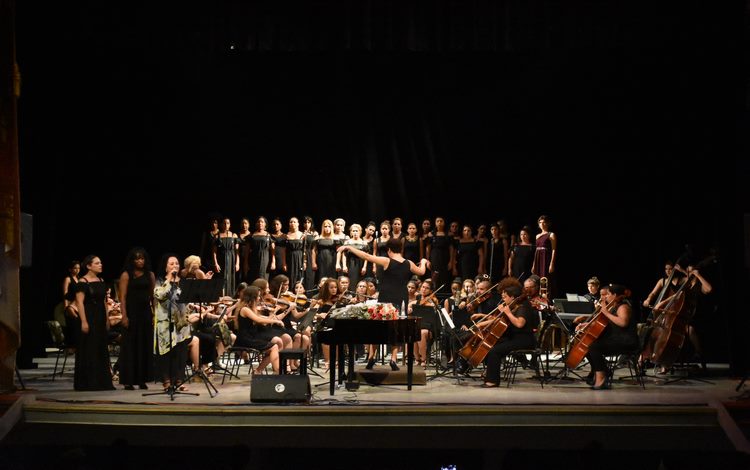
[517, 358]
[58, 342]
[632, 361]
[233, 360]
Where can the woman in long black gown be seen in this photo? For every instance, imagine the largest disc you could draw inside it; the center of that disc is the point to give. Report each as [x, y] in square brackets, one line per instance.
[440, 251]
[521, 257]
[294, 252]
[324, 252]
[259, 251]
[92, 370]
[308, 228]
[136, 288]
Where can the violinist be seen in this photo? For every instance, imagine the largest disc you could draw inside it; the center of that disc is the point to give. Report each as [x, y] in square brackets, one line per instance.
[452, 302]
[326, 301]
[522, 321]
[360, 294]
[288, 312]
[427, 299]
[267, 306]
[532, 291]
[345, 295]
[592, 295]
[482, 303]
[618, 337]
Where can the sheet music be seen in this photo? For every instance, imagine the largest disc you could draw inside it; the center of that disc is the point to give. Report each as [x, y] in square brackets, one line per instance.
[447, 318]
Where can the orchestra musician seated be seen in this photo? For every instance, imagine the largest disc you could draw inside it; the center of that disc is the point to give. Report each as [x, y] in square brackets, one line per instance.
[618, 337]
[522, 321]
[428, 300]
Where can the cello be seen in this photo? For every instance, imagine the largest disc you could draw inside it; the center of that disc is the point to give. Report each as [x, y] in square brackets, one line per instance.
[587, 335]
[475, 349]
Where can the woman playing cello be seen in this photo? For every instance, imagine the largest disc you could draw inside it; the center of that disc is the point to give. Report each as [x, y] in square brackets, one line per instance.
[618, 337]
[522, 321]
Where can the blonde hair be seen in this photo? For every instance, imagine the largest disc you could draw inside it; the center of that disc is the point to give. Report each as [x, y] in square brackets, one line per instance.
[192, 263]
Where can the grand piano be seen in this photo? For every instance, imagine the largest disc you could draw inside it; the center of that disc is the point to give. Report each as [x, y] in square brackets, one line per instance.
[352, 331]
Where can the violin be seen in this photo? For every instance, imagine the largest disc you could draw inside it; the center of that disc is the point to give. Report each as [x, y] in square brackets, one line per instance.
[300, 300]
[428, 299]
[478, 299]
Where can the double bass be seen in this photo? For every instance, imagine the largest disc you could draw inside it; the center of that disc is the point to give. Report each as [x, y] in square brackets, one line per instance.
[671, 325]
[587, 335]
[475, 349]
[670, 329]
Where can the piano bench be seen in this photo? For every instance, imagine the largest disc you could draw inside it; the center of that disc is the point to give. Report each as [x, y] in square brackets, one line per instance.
[294, 354]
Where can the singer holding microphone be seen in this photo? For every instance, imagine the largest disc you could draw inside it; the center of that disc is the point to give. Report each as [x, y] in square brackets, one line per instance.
[172, 328]
[396, 272]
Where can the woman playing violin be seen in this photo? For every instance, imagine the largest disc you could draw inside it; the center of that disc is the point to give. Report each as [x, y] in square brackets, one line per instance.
[425, 299]
[267, 307]
[522, 321]
[617, 338]
[288, 311]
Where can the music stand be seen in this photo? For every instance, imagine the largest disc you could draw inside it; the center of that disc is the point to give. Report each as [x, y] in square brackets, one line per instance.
[460, 317]
[202, 291]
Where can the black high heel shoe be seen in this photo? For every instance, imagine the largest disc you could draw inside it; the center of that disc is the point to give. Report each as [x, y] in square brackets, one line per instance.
[370, 364]
[394, 366]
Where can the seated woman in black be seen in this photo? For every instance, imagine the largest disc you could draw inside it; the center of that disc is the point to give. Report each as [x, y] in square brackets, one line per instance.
[523, 320]
[618, 337]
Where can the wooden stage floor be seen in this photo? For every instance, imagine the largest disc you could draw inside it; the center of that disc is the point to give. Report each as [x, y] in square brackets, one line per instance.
[444, 415]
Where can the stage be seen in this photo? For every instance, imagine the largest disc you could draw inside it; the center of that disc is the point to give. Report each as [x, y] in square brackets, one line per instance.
[442, 416]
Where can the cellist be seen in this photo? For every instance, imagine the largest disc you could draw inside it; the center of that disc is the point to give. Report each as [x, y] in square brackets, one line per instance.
[618, 337]
[523, 320]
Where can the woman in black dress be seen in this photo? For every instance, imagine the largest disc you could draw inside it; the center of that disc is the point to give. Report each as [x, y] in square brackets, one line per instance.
[253, 329]
[293, 252]
[227, 255]
[522, 256]
[441, 253]
[136, 288]
[411, 244]
[308, 228]
[470, 255]
[324, 252]
[92, 370]
[260, 252]
[354, 267]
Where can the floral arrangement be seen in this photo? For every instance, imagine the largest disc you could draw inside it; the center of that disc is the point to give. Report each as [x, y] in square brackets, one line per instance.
[366, 312]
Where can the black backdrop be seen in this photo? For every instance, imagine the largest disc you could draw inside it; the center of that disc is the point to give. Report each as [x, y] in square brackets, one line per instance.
[616, 120]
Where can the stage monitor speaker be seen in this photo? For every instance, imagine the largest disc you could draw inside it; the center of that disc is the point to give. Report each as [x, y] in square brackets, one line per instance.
[280, 389]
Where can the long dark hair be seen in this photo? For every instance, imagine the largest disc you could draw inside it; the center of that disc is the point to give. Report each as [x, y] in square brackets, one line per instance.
[133, 254]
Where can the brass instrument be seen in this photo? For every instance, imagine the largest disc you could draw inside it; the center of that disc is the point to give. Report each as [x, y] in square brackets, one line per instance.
[543, 283]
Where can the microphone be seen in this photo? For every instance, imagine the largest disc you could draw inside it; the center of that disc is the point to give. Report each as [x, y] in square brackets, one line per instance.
[174, 274]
